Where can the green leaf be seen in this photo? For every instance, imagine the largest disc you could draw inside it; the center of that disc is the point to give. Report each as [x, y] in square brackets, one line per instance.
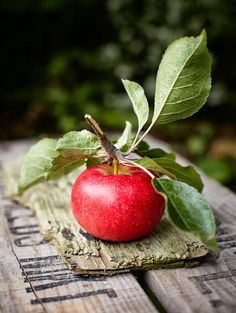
[126, 138]
[156, 153]
[151, 164]
[187, 174]
[139, 101]
[37, 163]
[43, 162]
[92, 162]
[183, 80]
[188, 210]
[62, 166]
[78, 145]
[142, 146]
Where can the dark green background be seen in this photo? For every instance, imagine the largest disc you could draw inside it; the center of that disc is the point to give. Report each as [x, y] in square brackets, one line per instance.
[60, 59]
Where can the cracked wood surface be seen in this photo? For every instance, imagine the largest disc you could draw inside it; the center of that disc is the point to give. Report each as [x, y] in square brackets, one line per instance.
[33, 277]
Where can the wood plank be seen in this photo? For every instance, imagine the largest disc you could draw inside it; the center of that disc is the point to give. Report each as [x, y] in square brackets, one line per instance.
[212, 286]
[166, 246]
[33, 277]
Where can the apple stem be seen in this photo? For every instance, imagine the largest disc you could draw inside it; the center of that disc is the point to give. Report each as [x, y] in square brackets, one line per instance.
[107, 145]
[116, 166]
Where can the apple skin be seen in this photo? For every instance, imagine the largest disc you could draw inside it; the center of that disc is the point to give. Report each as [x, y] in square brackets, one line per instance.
[116, 207]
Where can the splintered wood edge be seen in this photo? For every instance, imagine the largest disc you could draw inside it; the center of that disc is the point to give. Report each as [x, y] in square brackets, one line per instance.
[172, 265]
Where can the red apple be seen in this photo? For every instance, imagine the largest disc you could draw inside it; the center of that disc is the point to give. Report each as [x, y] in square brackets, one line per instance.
[116, 207]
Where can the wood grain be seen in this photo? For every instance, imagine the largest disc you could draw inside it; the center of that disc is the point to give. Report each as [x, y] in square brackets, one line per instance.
[212, 286]
[166, 246]
[34, 279]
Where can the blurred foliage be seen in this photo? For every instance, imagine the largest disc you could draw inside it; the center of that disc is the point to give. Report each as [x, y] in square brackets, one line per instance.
[62, 58]
[211, 146]
[219, 169]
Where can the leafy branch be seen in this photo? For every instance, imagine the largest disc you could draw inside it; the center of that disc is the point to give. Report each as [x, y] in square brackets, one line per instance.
[183, 83]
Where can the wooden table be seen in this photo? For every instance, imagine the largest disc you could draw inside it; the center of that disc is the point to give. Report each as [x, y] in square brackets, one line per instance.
[33, 277]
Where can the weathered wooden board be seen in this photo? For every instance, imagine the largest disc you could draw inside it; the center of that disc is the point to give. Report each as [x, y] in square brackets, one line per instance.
[33, 277]
[212, 286]
[208, 288]
[166, 246]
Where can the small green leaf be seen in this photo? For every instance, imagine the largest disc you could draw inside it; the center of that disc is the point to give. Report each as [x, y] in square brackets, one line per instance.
[151, 164]
[78, 145]
[37, 163]
[126, 138]
[188, 210]
[50, 159]
[92, 162]
[142, 146]
[187, 174]
[62, 166]
[139, 101]
[183, 79]
[156, 153]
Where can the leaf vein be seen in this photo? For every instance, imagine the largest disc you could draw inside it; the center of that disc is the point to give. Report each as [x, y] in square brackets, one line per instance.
[168, 94]
[184, 100]
[184, 86]
[187, 75]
